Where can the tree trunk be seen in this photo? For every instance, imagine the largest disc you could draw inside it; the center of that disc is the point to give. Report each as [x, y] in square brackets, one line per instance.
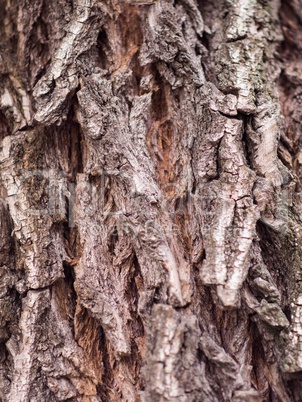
[151, 205]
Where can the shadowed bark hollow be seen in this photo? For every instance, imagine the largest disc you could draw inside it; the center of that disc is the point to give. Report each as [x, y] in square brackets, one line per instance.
[151, 204]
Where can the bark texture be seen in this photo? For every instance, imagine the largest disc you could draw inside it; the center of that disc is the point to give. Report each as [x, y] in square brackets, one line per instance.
[151, 204]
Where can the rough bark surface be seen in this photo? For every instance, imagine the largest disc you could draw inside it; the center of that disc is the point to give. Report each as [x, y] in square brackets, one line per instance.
[151, 204]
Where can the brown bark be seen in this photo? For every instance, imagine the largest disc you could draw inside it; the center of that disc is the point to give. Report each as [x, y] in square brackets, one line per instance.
[151, 211]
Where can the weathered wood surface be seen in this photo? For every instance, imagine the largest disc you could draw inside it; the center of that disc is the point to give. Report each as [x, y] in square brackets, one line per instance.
[151, 207]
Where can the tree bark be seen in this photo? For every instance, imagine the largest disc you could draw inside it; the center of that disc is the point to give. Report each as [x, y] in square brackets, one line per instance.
[151, 204]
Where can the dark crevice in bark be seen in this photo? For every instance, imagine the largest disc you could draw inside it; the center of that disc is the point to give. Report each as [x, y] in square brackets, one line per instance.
[113, 240]
[287, 313]
[246, 143]
[159, 103]
[103, 47]
[37, 55]
[107, 377]
[89, 335]
[73, 154]
[72, 296]
[259, 363]
[6, 361]
[136, 285]
[5, 126]
[279, 265]
[219, 169]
